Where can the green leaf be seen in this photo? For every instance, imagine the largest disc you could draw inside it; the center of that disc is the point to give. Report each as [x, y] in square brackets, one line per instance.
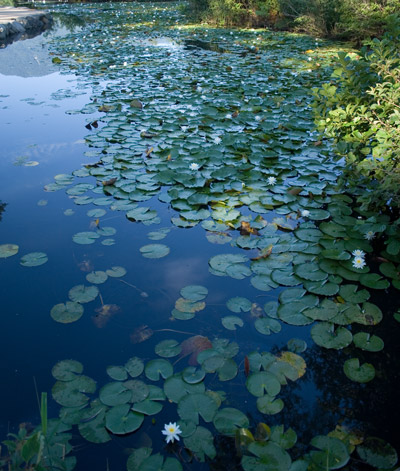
[67, 370]
[325, 335]
[121, 420]
[333, 454]
[73, 393]
[230, 322]
[85, 238]
[201, 443]
[113, 394]
[368, 342]
[154, 250]
[239, 304]
[191, 406]
[8, 250]
[194, 292]
[360, 374]
[83, 294]
[377, 453]
[158, 368]
[34, 259]
[228, 420]
[67, 313]
[263, 381]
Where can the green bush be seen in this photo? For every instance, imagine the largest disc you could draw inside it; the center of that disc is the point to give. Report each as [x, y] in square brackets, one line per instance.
[360, 110]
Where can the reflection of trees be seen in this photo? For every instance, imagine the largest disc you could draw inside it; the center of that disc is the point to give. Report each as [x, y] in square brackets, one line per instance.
[69, 21]
[2, 208]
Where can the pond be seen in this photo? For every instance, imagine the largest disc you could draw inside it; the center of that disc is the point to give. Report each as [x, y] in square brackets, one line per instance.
[174, 248]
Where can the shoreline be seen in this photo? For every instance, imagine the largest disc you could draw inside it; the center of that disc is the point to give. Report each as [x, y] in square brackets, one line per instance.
[22, 23]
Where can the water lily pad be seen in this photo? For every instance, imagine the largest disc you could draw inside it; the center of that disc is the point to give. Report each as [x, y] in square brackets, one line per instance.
[359, 373]
[297, 345]
[193, 375]
[351, 294]
[83, 294]
[34, 259]
[176, 388]
[97, 277]
[375, 281]
[73, 393]
[113, 394]
[139, 390]
[239, 304]
[147, 407]
[263, 381]
[158, 368]
[191, 406]
[67, 313]
[116, 272]
[333, 454]
[96, 213]
[266, 325]
[194, 292]
[377, 453]
[121, 420]
[269, 456]
[285, 439]
[118, 373]
[230, 322]
[85, 238]
[269, 404]
[228, 420]
[325, 335]
[92, 425]
[154, 250]
[67, 370]
[368, 342]
[168, 348]
[134, 366]
[201, 443]
[8, 250]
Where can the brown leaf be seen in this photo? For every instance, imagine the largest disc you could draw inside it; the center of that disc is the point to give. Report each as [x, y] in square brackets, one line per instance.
[109, 182]
[265, 253]
[193, 346]
[256, 310]
[246, 229]
[104, 313]
[141, 334]
[235, 114]
[295, 191]
[86, 266]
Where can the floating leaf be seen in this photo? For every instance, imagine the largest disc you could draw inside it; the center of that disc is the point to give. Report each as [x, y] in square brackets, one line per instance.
[239, 304]
[261, 382]
[325, 335]
[118, 373]
[194, 292]
[158, 368]
[269, 404]
[154, 250]
[85, 238]
[333, 454]
[191, 406]
[228, 420]
[116, 272]
[67, 313]
[168, 348]
[121, 420]
[67, 370]
[134, 366]
[92, 424]
[230, 322]
[112, 394]
[360, 374]
[97, 277]
[83, 294]
[73, 393]
[193, 375]
[368, 342]
[201, 443]
[377, 453]
[265, 325]
[34, 259]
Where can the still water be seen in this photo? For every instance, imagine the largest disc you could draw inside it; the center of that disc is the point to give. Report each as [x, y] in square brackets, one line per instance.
[44, 135]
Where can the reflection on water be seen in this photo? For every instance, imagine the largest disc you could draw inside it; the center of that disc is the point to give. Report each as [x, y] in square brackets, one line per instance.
[2, 208]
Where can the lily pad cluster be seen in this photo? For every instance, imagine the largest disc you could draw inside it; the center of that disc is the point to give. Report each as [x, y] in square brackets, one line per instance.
[72, 310]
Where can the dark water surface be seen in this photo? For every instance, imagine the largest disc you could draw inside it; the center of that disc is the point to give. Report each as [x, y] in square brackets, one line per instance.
[42, 136]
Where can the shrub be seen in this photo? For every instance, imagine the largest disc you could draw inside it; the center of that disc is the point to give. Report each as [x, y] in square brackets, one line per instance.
[360, 110]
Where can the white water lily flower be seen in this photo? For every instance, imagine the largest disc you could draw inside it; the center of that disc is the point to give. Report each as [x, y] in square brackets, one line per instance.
[359, 262]
[271, 180]
[171, 431]
[358, 253]
[258, 118]
[194, 166]
[217, 140]
[228, 116]
[369, 235]
[305, 213]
